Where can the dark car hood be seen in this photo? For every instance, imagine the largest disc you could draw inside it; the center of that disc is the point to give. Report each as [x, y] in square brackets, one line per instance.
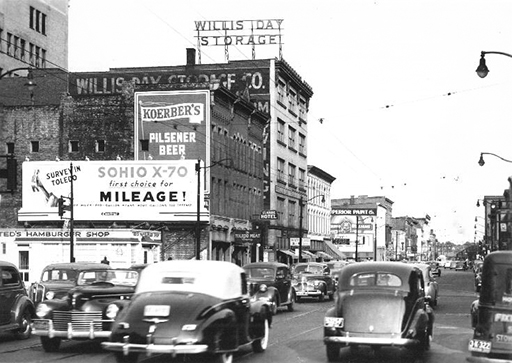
[185, 308]
[372, 311]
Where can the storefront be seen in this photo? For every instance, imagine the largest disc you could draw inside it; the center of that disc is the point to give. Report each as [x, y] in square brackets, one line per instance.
[32, 249]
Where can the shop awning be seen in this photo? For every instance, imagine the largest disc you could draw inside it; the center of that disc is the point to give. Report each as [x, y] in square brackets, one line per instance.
[324, 255]
[311, 255]
[289, 253]
[334, 251]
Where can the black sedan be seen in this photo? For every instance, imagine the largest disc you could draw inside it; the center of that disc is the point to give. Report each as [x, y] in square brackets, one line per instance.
[184, 307]
[379, 304]
[84, 312]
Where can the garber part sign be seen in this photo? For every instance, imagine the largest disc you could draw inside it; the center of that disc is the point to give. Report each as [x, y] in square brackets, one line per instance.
[172, 125]
[112, 190]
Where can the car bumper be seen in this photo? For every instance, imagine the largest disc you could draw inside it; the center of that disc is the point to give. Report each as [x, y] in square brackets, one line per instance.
[382, 340]
[150, 349]
[45, 328]
[473, 359]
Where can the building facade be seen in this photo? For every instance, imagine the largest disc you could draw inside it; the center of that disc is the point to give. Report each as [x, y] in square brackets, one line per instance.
[33, 33]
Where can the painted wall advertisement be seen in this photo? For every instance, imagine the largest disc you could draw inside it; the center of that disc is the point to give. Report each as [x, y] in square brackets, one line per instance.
[112, 191]
[174, 125]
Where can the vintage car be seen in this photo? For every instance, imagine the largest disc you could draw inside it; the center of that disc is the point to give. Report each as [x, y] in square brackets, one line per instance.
[313, 279]
[58, 278]
[491, 314]
[185, 307]
[379, 304]
[84, 312]
[460, 266]
[16, 309]
[435, 268]
[478, 279]
[431, 285]
[271, 282]
[335, 267]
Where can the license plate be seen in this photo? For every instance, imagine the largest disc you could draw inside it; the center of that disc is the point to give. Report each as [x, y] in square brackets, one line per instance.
[40, 324]
[479, 346]
[157, 310]
[301, 293]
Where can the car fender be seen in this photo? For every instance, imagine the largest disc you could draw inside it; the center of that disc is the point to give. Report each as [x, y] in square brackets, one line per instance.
[420, 321]
[22, 304]
[269, 294]
[331, 312]
[260, 310]
[220, 321]
[59, 304]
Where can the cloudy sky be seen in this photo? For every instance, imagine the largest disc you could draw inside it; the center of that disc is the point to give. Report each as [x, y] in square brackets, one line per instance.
[404, 114]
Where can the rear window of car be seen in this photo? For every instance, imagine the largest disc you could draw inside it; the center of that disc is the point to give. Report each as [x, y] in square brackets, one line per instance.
[375, 279]
[259, 272]
[10, 277]
[58, 275]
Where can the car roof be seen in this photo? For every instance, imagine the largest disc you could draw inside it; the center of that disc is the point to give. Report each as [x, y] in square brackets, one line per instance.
[220, 279]
[402, 270]
[7, 264]
[77, 266]
[264, 264]
[499, 257]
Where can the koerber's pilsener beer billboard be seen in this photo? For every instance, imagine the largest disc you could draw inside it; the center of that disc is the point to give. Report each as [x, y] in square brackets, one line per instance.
[113, 190]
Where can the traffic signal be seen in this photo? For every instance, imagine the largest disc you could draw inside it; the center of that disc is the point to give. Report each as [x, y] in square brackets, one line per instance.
[60, 204]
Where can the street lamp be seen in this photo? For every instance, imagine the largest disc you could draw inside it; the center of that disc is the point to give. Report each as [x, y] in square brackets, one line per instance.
[30, 84]
[482, 69]
[301, 206]
[481, 161]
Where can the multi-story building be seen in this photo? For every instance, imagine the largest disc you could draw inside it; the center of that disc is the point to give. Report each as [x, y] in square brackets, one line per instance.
[33, 33]
[361, 226]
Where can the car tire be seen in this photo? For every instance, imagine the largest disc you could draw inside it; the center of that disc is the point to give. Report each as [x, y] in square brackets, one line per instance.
[129, 358]
[424, 344]
[50, 344]
[260, 345]
[226, 357]
[321, 297]
[291, 300]
[333, 352]
[25, 329]
[275, 304]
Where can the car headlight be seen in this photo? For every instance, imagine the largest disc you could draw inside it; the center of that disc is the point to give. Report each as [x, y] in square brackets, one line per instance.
[263, 288]
[49, 295]
[112, 311]
[42, 310]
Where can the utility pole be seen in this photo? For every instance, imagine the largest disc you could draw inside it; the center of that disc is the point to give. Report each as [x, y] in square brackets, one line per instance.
[198, 220]
[71, 220]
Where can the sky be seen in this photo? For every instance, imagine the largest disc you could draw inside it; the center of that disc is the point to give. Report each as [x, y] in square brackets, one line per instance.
[403, 113]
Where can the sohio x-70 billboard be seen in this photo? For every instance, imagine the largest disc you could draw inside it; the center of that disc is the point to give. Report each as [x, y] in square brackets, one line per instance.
[113, 190]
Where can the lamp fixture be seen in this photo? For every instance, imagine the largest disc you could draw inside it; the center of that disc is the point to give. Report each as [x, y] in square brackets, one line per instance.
[482, 69]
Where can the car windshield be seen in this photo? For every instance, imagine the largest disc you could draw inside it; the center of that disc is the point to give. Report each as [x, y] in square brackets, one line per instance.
[375, 279]
[116, 277]
[259, 272]
[59, 275]
[311, 269]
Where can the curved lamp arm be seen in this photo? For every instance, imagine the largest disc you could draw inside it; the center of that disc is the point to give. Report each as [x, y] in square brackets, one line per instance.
[482, 69]
[481, 162]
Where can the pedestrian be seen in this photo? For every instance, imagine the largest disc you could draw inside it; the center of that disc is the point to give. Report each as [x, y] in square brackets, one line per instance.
[105, 261]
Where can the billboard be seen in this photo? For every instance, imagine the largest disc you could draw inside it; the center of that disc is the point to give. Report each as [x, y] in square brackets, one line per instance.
[156, 191]
[174, 125]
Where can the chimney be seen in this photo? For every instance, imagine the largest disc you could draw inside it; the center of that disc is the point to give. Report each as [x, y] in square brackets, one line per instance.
[191, 57]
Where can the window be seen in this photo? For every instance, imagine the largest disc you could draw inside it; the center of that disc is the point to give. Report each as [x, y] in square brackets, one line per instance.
[280, 170]
[292, 101]
[37, 21]
[281, 91]
[100, 146]
[23, 257]
[34, 146]
[292, 171]
[291, 137]
[9, 44]
[4, 248]
[73, 146]
[9, 146]
[302, 109]
[302, 179]
[280, 131]
[22, 49]
[10, 276]
[302, 144]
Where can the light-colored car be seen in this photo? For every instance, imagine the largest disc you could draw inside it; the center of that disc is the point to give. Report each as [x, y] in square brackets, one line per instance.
[379, 304]
[447, 264]
[431, 285]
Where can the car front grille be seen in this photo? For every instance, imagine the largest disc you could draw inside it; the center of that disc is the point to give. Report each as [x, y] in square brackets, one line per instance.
[80, 320]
